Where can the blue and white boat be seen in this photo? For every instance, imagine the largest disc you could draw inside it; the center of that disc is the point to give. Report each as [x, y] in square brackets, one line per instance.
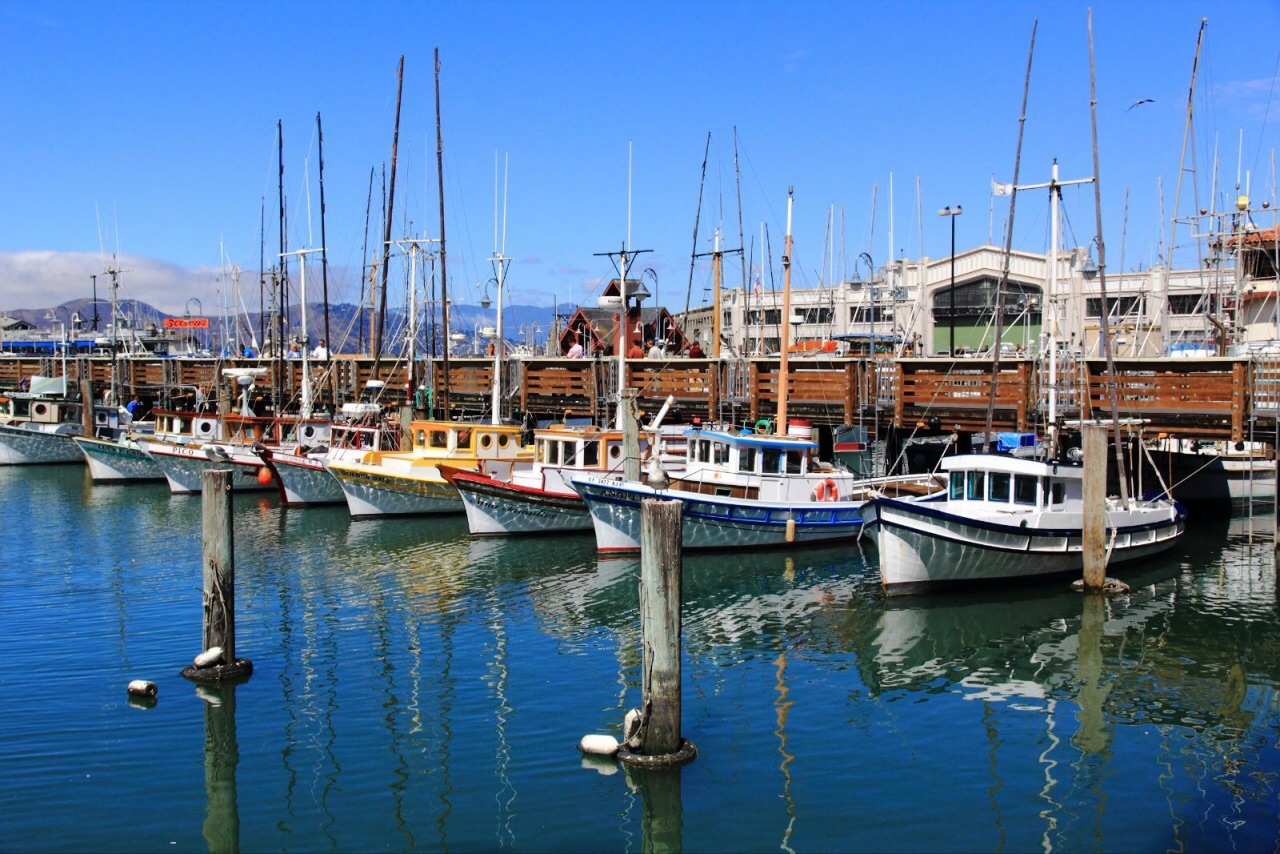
[742, 489]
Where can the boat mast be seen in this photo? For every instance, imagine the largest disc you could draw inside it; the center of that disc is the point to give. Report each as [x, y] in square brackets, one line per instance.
[1008, 251]
[1187, 132]
[1102, 282]
[444, 278]
[783, 366]
[380, 326]
[716, 260]
[324, 256]
[305, 403]
[500, 263]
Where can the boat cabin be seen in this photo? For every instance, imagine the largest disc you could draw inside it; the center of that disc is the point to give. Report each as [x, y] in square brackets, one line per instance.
[749, 453]
[483, 441]
[1020, 485]
[186, 426]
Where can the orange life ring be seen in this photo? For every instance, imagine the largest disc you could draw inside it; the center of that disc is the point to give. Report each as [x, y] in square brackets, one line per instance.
[826, 491]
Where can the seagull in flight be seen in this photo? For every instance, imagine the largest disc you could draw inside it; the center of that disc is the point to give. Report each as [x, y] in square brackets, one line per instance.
[1141, 102]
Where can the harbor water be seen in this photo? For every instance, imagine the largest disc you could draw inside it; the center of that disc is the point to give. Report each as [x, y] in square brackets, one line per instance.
[414, 689]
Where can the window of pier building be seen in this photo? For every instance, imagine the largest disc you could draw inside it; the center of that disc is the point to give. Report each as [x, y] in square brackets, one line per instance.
[772, 317]
[977, 300]
[771, 345]
[1127, 306]
[1192, 304]
[865, 314]
[816, 314]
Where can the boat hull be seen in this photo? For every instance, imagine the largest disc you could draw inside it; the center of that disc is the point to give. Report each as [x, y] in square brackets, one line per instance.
[495, 508]
[711, 522]
[117, 462]
[923, 547]
[304, 480]
[38, 445]
[372, 493]
[184, 467]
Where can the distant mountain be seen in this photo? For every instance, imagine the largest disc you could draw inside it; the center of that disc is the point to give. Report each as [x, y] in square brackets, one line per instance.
[349, 327]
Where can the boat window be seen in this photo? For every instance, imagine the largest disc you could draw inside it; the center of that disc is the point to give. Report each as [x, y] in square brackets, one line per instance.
[795, 462]
[553, 453]
[591, 453]
[615, 451]
[957, 486]
[422, 438]
[704, 451]
[486, 440]
[570, 454]
[977, 485]
[502, 440]
[1024, 489]
[540, 451]
[464, 439]
[1057, 492]
[999, 488]
[746, 459]
[772, 459]
[439, 439]
[721, 450]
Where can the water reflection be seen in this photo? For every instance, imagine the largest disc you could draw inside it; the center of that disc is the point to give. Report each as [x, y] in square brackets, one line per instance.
[221, 757]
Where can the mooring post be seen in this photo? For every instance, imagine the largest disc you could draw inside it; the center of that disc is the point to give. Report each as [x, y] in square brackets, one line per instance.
[219, 563]
[86, 405]
[1094, 535]
[630, 436]
[660, 601]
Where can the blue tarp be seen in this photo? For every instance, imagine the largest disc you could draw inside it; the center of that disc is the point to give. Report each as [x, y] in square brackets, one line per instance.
[1006, 442]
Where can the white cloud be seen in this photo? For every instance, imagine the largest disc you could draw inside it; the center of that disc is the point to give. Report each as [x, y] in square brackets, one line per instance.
[1257, 99]
[38, 279]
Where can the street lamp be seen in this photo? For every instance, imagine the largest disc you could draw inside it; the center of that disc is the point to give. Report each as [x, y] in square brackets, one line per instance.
[871, 293]
[953, 213]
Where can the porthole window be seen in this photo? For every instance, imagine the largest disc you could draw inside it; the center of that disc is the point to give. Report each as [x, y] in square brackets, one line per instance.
[503, 440]
[486, 440]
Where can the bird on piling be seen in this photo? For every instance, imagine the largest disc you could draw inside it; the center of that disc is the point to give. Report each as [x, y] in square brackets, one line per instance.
[657, 475]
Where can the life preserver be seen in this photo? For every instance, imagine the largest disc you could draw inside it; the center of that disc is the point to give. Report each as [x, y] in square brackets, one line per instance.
[825, 491]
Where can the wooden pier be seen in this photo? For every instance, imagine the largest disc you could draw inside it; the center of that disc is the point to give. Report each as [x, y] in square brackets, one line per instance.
[1218, 398]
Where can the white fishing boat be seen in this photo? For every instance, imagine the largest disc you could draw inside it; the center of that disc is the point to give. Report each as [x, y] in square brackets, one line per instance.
[37, 425]
[1003, 519]
[742, 489]
[540, 499]
[182, 446]
[119, 458]
[301, 473]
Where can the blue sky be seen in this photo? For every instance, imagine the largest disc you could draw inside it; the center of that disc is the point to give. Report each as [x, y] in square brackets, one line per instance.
[149, 130]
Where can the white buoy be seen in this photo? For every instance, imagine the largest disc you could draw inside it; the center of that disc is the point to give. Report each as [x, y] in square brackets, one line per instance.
[142, 688]
[209, 657]
[599, 745]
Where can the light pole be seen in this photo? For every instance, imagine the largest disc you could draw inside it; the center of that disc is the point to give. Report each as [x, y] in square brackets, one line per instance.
[953, 213]
[871, 293]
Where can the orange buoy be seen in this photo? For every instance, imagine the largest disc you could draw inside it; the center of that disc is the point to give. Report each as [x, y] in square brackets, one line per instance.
[264, 475]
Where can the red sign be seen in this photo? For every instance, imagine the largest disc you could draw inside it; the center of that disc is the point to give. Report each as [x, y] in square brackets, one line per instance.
[186, 323]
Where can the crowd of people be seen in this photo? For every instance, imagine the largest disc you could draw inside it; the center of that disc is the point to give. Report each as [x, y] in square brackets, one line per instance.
[649, 349]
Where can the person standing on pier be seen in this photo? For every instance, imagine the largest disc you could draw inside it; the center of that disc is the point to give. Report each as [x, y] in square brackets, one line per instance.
[321, 351]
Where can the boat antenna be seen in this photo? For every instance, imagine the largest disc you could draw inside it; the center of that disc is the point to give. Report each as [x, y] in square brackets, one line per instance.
[1102, 280]
[1008, 248]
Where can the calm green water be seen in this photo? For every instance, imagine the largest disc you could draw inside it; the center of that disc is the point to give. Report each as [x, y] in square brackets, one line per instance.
[418, 691]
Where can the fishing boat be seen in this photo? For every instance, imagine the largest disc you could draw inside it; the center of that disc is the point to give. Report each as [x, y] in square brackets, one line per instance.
[1003, 519]
[407, 483]
[301, 473]
[37, 425]
[541, 498]
[742, 489]
[117, 457]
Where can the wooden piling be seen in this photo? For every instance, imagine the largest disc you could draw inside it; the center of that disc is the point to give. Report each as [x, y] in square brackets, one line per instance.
[660, 604]
[86, 404]
[1095, 506]
[218, 543]
[630, 437]
[219, 577]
